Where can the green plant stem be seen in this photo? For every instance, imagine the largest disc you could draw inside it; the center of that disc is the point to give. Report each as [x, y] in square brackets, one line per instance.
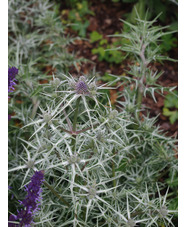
[142, 80]
[55, 193]
[139, 97]
[113, 174]
[113, 171]
[35, 107]
[87, 161]
[76, 114]
[73, 143]
[75, 122]
[67, 119]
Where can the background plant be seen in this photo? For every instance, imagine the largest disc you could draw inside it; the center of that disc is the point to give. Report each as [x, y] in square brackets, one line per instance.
[37, 44]
[143, 44]
[170, 108]
[77, 16]
[104, 50]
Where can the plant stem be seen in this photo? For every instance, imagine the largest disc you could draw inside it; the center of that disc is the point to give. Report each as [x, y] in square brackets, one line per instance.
[139, 96]
[55, 193]
[141, 81]
[73, 143]
[75, 122]
[113, 174]
[76, 114]
[113, 171]
[35, 107]
[67, 119]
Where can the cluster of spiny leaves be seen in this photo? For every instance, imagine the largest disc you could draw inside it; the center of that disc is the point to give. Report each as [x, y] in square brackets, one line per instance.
[102, 166]
[143, 45]
[38, 43]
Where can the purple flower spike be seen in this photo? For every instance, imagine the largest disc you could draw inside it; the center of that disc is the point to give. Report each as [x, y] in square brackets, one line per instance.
[31, 202]
[12, 72]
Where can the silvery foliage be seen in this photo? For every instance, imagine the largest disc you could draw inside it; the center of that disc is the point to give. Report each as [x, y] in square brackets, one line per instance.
[37, 40]
[143, 45]
[102, 166]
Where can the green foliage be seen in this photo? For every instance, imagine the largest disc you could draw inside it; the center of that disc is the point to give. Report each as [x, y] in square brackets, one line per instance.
[37, 44]
[111, 54]
[143, 43]
[77, 16]
[125, 1]
[168, 43]
[154, 8]
[139, 8]
[172, 181]
[171, 100]
[95, 36]
[171, 107]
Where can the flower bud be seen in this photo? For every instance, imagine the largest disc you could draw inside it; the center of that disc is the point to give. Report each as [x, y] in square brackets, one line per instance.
[163, 211]
[47, 117]
[30, 163]
[74, 159]
[131, 223]
[92, 192]
[113, 114]
[55, 82]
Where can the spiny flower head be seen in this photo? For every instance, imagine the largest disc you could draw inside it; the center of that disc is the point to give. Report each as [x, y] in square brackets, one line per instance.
[12, 72]
[81, 87]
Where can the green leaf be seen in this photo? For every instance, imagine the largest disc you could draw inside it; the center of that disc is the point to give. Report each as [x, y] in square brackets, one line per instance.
[95, 36]
[100, 51]
[171, 100]
[173, 115]
[36, 91]
[103, 41]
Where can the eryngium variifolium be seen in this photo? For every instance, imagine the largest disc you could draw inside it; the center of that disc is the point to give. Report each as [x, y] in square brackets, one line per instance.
[38, 45]
[142, 41]
[102, 166]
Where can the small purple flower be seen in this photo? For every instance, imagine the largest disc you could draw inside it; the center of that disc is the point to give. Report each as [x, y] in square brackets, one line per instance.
[31, 202]
[81, 87]
[12, 72]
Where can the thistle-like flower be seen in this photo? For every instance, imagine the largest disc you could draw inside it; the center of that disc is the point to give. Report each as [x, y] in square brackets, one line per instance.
[31, 202]
[81, 87]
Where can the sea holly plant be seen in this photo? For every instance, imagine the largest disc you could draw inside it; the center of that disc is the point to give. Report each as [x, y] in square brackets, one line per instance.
[143, 43]
[102, 167]
[38, 45]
